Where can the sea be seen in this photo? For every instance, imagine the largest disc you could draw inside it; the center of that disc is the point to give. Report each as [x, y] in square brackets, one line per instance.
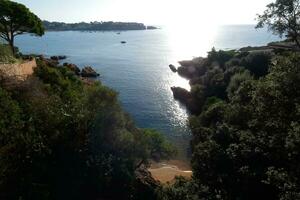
[139, 69]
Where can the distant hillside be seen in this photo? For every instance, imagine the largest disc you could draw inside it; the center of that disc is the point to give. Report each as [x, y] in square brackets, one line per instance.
[95, 26]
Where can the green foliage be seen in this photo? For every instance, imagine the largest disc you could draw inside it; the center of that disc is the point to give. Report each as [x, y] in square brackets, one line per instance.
[213, 76]
[157, 146]
[257, 63]
[282, 17]
[63, 139]
[245, 127]
[16, 19]
[246, 146]
[236, 81]
[183, 189]
[220, 57]
[6, 55]
[10, 115]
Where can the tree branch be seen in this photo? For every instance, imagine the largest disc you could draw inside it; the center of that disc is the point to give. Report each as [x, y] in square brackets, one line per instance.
[19, 33]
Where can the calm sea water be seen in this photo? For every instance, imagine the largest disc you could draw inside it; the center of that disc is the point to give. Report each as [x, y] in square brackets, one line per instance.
[139, 70]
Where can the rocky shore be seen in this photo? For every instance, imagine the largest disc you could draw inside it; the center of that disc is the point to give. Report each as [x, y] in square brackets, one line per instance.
[206, 74]
[54, 61]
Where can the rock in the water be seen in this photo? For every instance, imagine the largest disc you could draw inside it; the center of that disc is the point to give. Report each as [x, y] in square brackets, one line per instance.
[58, 57]
[185, 97]
[173, 68]
[181, 94]
[89, 72]
[62, 57]
[72, 67]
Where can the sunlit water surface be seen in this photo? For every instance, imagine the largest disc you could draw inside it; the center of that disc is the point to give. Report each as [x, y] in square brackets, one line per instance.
[139, 70]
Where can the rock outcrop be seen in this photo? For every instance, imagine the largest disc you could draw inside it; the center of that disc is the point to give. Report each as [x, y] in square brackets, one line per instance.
[57, 58]
[186, 98]
[73, 68]
[173, 68]
[89, 72]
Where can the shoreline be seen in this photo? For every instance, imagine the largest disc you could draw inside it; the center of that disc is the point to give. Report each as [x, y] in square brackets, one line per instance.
[166, 171]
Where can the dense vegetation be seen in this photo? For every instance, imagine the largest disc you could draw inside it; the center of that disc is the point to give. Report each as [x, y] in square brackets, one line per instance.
[95, 26]
[62, 138]
[246, 129]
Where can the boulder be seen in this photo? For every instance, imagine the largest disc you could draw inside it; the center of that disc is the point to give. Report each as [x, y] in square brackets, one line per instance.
[186, 98]
[50, 62]
[62, 57]
[181, 94]
[173, 68]
[89, 72]
[72, 67]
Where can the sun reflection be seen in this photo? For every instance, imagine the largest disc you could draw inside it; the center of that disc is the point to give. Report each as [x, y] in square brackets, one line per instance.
[191, 41]
[178, 81]
[187, 42]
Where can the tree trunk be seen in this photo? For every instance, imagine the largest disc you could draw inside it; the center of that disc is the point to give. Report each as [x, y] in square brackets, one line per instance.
[295, 37]
[297, 42]
[11, 44]
[140, 164]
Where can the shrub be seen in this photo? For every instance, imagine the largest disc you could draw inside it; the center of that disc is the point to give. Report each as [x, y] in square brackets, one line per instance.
[6, 55]
[257, 63]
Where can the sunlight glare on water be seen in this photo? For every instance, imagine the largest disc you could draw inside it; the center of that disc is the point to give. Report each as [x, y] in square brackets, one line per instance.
[191, 40]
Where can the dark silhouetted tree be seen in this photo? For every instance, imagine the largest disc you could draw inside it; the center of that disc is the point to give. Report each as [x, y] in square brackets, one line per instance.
[282, 18]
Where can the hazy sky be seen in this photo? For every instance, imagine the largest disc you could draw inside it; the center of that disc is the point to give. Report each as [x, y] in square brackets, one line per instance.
[156, 12]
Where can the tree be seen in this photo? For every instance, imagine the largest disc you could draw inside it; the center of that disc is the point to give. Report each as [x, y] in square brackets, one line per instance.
[282, 17]
[16, 19]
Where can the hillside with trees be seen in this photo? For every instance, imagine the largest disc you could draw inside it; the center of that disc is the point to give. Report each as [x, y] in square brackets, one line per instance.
[246, 127]
[62, 138]
[95, 26]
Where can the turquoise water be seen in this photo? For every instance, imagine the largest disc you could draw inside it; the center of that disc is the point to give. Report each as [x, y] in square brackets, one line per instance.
[139, 70]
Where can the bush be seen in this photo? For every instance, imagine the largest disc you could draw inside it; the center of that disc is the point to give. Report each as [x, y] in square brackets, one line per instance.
[6, 55]
[257, 63]
[236, 81]
[220, 57]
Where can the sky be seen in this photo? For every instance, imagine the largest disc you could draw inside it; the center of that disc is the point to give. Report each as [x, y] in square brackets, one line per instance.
[150, 12]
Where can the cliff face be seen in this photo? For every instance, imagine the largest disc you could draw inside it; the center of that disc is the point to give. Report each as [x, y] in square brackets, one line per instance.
[18, 70]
